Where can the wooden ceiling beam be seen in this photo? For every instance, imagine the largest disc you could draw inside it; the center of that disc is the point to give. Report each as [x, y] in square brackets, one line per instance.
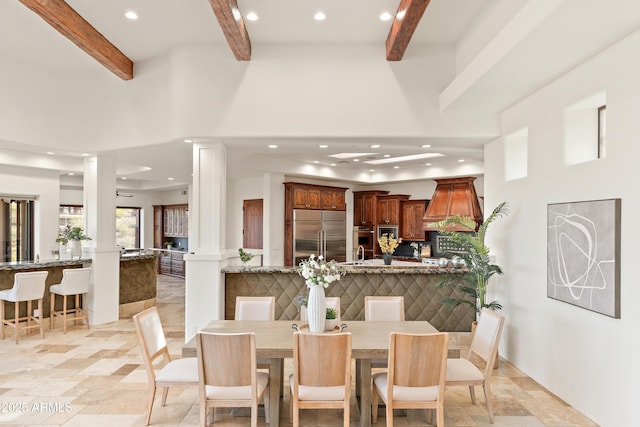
[404, 25]
[70, 24]
[232, 25]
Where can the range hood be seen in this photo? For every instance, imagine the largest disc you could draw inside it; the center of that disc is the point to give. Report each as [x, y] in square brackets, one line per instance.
[452, 196]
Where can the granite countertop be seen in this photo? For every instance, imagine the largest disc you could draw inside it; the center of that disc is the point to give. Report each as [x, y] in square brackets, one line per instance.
[134, 257]
[370, 266]
[168, 250]
[30, 265]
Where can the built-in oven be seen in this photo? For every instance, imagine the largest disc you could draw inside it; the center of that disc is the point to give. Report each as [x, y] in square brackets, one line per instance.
[388, 230]
[363, 240]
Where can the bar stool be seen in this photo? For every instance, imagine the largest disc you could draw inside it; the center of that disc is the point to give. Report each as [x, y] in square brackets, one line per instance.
[26, 287]
[75, 281]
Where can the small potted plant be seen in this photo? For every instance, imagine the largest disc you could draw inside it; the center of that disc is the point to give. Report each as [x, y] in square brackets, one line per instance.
[388, 244]
[74, 236]
[245, 257]
[331, 320]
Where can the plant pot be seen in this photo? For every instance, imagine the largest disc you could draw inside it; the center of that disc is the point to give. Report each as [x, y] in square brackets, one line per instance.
[387, 257]
[76, 248]
[330, 324]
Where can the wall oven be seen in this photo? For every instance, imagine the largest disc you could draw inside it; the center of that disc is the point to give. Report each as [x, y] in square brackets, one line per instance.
[388, 230]
[363, 236]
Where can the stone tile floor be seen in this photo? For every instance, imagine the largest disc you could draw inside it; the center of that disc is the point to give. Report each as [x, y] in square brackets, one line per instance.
[95, 378]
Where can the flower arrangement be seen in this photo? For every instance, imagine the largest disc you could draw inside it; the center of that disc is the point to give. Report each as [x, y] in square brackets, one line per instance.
[71, 233]
[244, 256]
[316, 271]
[388, 243]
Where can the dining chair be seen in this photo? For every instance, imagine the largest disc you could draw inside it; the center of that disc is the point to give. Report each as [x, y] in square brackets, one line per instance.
[416, 375]
[255, 308]
[228, 374]
[321, 375]
[75, 281]
[384, 308]
[331, 302]
[153, 345]
[483, 352]
[28, 286]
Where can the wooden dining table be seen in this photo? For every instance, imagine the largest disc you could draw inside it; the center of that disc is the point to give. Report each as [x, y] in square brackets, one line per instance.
[274, 340]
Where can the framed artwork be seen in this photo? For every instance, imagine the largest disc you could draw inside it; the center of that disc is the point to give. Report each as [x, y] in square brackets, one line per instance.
[583, 254]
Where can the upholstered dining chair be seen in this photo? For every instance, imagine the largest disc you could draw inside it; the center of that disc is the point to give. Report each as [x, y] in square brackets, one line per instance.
[228, 374]
[483, 352]
[75, 282]
[384, 308]
[331, 302]
[416, 375]
[28, 286]
[255, 308]
[321, 375]
[153, 345]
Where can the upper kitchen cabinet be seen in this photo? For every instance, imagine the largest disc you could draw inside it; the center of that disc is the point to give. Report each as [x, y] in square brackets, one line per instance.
[306, 197]
[389, 209]
[333, 200]
[309, 196]
[365, 205]
[412, 212]
[176, 221]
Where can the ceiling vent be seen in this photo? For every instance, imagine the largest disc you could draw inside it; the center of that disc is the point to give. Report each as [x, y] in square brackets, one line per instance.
[453, 196]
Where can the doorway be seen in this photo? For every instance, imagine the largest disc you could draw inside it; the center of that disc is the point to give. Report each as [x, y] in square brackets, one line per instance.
[252, 224]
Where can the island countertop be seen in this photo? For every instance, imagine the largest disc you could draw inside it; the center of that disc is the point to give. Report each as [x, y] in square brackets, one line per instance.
[32, 265]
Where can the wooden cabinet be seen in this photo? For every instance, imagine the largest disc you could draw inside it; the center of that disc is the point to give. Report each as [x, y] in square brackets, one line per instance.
[365, 207]
[412, 212]
[172, 263]
[176, 221]
[388, 209]
[333, 200]
[158, 230]
[306, 197]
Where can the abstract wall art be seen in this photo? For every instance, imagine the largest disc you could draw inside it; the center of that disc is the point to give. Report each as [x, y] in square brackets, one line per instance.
[583, 254]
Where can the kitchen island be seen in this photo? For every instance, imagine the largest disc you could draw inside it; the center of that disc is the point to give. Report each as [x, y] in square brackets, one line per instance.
[415, 281]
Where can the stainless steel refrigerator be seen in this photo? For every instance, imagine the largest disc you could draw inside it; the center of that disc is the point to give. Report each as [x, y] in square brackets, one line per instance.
[319, 233]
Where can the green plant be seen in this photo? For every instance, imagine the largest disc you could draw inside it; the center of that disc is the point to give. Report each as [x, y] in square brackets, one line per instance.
[470, 246]
[71, 233]
[244, 256]
[331, 313]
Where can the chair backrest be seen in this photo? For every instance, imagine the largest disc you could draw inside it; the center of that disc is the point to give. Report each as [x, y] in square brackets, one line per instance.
[255, 308]
[331, 302]
[150, 337]
[322, 360]
[418, 360]
[486, 338]
[30, 285]
[388, 308]
[75, 280]
[227, 360]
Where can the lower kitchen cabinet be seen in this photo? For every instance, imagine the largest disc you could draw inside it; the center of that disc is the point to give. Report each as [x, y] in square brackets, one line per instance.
[171, 263]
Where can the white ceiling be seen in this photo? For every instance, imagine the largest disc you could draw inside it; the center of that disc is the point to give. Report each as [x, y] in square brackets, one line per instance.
[505, 50]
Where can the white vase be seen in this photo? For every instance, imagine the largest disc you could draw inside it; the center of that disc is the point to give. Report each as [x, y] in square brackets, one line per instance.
[63, 252]
[76, 248]
[316, 309]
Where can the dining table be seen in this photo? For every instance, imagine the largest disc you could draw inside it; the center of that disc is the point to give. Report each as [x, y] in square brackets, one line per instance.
[274, 341]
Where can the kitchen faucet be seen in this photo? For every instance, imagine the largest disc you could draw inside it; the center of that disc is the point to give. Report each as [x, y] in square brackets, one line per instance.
[361, 260]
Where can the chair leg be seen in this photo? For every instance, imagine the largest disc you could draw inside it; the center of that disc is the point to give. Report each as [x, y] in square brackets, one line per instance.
[374, 405]
[487, 398]
[52, 306]
[151, 395]
[440, 415]
[64, 314]
[266, 400]
[165, 392]
[16, 322]
[472, 392]
[295, 412]
[347, 414]
[29, 312]
[41, 318]
[389, 413]
[254, 414]
[429, 416]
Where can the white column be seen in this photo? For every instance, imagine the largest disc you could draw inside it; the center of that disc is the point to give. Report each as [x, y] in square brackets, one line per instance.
[204, 296]
[273, 219]
[100, 225]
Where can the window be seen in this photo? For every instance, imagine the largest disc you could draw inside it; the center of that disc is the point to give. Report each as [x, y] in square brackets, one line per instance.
[127, 223]
[602, 132]
[16, 233]
[128, 227]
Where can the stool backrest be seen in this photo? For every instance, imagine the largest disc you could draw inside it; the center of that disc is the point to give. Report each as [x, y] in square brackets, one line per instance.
[75, 280]
[29, 286]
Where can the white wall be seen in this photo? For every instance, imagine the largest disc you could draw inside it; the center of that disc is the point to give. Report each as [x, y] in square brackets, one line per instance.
[45, 186]
[587, 359]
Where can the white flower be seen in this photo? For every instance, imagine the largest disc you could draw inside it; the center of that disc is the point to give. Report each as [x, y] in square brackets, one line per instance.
[318, 272]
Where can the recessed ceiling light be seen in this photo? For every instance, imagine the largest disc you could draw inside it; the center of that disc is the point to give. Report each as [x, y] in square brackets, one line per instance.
[356, 160]
[316, 161]
[130, 14]
[323, 146]
[396, 167]
[188, 140]
[124, 178]
[85, 154]
[428, 164]
[171, 178]
[461, 161]
[252, 16]
[374, 146]
[387, 155]
[272, 146]
[51, 153]
[401, 14]
[385, 16]
[319, 16]
[426, 146]
[332, 164]
[371, 170]
[71, 174]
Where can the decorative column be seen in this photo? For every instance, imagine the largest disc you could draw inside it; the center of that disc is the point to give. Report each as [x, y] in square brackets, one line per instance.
[204, 296]
[100, 225]
[273, 219]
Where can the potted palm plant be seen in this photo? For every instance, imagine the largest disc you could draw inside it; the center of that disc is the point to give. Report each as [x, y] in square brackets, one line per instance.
[470, 247]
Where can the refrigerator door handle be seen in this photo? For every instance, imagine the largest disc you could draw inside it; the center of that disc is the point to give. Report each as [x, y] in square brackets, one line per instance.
[324, 244]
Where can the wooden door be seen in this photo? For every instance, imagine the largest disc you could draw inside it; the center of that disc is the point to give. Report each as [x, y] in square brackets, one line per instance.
[158, 228]
[252, 224]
